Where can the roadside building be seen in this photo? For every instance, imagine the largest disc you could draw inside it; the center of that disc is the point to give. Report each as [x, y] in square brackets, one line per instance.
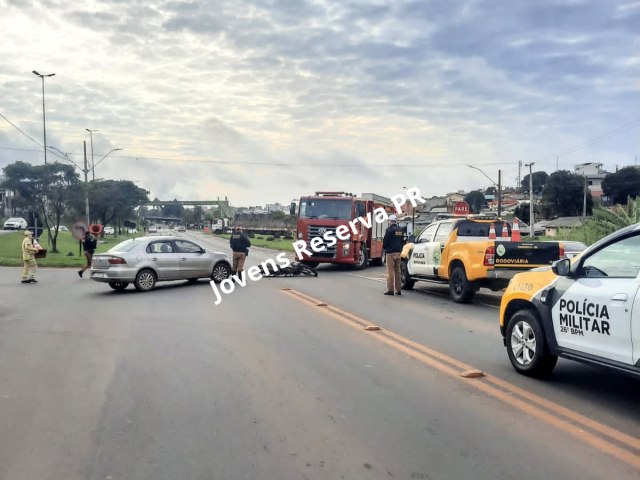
[594, 175]
[553, 227]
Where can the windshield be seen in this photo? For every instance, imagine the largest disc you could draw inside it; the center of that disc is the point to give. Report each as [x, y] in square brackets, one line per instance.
[325, 208]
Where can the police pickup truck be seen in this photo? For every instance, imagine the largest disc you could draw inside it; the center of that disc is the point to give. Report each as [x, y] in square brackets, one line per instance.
[458, 251]
[585, 309]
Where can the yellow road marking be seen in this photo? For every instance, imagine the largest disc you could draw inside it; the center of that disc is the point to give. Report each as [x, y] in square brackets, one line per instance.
[618, 444]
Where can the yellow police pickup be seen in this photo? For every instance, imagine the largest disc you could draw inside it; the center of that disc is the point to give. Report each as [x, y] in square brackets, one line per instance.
[458, 251]
[585, 309]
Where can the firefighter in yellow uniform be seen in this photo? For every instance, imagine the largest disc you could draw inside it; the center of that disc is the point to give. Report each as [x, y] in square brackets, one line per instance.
[29, 265]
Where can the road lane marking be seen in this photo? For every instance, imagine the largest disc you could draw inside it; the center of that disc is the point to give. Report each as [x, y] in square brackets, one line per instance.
[618, 444]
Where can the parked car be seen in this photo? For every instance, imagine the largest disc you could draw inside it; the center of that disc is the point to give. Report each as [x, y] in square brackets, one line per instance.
[15, 223]
[109, 230]
[61, 228]
[153, 229]
[131, 231]
[572, 249]
[144, 261]
[181, 228]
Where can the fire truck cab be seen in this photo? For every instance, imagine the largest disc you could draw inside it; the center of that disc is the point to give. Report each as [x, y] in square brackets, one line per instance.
[326, 211]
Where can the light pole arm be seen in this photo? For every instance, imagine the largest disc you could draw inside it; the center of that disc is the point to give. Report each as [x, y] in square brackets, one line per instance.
[476, 168]
[66, 157]
[497, 185]
[105, 156]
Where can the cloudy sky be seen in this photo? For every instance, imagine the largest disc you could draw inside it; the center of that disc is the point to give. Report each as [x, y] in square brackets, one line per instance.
[265, 100]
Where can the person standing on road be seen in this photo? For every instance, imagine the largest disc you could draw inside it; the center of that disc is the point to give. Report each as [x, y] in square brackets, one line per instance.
[240, 244]
[29, 265]
[89, 246]
[392, 244]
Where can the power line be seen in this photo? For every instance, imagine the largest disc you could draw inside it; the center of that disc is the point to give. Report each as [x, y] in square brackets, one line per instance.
[565, 153]
[570, 151]
[17, 128]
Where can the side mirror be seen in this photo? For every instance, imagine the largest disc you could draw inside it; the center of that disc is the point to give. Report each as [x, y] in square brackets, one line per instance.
[561, 267]
[411, 239]
[292, 208]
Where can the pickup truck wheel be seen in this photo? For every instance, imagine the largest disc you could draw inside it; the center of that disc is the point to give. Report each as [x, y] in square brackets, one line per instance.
[406, 281]
[460, 289]
[527, 346]
[363, 259]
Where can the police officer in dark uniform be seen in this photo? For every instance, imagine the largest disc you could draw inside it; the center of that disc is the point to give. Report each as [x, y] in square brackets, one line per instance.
[89, 245]
[239, 244]
[392, 245]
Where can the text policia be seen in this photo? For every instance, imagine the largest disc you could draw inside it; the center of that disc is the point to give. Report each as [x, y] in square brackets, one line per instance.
[318, 244]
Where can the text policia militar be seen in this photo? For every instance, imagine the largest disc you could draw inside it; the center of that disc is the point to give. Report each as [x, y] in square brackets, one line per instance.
[317, 244]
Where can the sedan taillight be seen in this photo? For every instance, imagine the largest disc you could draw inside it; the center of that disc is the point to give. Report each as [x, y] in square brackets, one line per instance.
[117, 261]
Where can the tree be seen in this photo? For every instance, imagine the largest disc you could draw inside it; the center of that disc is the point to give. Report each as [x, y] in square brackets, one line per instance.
[475, 200]
[47, 190]
[523, 213]
[539, 181]
[621, 185]
[111, 200]
[490, 191]
[563, 195]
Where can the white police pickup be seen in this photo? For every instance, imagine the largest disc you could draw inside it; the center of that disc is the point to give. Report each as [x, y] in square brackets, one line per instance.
[585, 309]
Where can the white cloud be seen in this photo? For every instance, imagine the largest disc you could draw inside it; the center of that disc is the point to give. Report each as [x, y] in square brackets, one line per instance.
[313, 85]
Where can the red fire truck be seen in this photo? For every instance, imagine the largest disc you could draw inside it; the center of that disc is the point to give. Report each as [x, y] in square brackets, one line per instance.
[326, 211]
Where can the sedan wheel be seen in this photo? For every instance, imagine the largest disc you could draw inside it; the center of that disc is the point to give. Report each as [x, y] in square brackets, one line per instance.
[220, 272]
[145, 280]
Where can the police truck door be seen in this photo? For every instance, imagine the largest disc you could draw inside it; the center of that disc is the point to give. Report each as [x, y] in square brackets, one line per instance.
[418, 259]
[593, 310]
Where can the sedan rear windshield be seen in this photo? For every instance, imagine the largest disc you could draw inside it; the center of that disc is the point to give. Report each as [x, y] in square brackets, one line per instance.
[125, 246]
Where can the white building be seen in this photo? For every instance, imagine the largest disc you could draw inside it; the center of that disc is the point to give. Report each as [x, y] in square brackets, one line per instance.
[594, 175]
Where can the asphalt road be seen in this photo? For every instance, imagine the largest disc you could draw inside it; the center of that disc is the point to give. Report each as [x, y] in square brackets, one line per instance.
[273, 385]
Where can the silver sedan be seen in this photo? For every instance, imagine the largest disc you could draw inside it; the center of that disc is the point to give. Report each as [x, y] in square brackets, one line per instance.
[146, 260]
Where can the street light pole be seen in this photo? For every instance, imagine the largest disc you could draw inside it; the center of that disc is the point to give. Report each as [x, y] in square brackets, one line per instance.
[44, 121]
[93, 173]
[86, 184]
[497, 185]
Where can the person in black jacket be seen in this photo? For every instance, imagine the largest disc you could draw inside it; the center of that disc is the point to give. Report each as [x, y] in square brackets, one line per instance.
[392, 244]
[89, 246]
[239, 244]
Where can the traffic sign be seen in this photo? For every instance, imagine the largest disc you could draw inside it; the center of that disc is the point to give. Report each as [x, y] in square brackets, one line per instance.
[461, 208]
[78, 230]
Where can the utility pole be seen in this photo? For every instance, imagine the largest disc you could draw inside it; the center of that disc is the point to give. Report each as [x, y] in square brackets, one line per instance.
[499, 193]
[93, 172]
[86, 185]
[584, 202]
[532, 231]
[519, 167]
